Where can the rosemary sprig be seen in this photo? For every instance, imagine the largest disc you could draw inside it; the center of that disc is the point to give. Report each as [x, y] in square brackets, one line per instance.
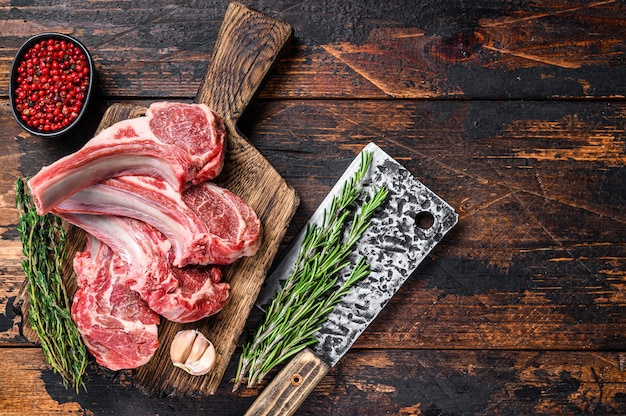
[43, 243]
[311, 291]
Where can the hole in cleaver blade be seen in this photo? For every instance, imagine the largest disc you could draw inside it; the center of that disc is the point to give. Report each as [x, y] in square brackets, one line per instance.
[401, 234]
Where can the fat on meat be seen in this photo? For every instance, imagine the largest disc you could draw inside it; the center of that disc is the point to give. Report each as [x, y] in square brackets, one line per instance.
[177, 142]
[141, 261]
[158, 231]
[117, 326]
[206, 224]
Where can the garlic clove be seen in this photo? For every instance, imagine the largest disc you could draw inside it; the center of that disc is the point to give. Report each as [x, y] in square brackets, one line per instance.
[209, 355]
[200, 344]
[181, 345]
[204, 364]
[192, 352]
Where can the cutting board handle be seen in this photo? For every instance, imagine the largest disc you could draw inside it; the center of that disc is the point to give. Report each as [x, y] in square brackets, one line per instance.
[247, 45]
[291, 386]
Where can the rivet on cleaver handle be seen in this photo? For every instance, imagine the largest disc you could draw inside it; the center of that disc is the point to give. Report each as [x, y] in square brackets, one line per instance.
[394, 245]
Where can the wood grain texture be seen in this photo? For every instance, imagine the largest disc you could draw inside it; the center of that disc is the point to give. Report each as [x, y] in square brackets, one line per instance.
[538, 257]
[513, 112]
[449, 48]
[244, 60]
[247, 46]
[373, 382]
[467, 49]
[291, 386]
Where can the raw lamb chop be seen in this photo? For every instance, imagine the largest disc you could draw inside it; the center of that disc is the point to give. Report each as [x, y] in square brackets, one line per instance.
[207, 224]
[179, 143]
[141, 262]
[234, 224]
[117, 326]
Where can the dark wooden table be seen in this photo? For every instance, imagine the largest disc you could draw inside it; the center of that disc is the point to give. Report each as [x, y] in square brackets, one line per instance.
[513, 112]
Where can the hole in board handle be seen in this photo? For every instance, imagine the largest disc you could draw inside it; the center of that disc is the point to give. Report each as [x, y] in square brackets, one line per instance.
[296, 380]
[424, 220]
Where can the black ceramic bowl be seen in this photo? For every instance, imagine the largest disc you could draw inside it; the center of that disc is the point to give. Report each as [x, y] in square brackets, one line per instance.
[46, 108]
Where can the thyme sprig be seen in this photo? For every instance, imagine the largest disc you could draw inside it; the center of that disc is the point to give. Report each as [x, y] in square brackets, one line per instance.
[43, 244]
[299, 309]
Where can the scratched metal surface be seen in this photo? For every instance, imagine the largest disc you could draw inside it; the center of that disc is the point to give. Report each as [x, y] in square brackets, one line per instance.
[394, 245]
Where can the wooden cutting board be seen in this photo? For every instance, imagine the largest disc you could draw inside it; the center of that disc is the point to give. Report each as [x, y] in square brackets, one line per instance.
[247, 45]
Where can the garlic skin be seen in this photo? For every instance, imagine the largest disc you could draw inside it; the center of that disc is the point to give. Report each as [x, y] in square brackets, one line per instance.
[193, 352]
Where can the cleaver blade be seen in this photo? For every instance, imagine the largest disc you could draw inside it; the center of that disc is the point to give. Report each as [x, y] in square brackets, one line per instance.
[400, 235]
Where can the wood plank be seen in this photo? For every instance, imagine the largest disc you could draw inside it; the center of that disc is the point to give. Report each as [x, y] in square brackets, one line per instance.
[367, 49]
[460, 49]
[538, 259]
[368, 382]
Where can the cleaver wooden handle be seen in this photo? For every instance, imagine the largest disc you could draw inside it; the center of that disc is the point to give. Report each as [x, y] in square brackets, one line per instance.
[291, 386]
[246, 47]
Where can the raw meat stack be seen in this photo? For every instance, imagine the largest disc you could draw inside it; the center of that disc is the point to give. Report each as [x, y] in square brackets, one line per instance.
[158, 230]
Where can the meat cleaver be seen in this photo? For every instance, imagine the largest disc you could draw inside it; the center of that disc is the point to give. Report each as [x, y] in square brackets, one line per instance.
[401, 234]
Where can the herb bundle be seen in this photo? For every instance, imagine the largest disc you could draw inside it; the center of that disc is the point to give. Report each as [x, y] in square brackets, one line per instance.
[43, 243]
[311, 291]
